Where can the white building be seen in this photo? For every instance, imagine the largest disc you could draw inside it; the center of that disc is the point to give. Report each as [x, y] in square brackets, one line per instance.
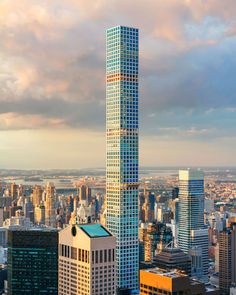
[233, 290]
[86, 260]
[193, 234]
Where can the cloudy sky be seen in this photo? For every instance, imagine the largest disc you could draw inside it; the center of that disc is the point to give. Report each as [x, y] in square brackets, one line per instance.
[52, 81]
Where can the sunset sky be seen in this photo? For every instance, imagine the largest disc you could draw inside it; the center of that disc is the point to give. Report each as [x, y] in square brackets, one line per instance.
[52, 81]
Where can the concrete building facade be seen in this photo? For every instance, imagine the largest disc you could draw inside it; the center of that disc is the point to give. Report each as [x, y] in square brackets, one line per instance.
[86, 260]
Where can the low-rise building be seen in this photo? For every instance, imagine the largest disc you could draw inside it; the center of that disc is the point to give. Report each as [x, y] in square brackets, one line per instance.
[158, 281]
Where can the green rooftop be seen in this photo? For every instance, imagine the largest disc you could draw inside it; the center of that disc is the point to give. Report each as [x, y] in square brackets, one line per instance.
[95, 230]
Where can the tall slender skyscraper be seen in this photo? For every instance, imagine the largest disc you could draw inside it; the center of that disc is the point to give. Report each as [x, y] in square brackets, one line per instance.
[122, 151]
[193, 234]
[50, 216]
[37, 195]
[227, 258]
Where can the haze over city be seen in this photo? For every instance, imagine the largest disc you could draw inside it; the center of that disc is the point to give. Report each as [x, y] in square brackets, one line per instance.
[52, 85]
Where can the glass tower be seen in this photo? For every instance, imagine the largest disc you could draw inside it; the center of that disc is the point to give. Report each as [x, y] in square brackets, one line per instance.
[122, 48]
[193, 234]
[32, 261]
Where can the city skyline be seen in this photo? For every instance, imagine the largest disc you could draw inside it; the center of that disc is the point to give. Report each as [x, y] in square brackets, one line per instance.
[53, 113]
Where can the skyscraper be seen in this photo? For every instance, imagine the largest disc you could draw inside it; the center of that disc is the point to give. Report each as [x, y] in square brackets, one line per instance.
[122, 151]
[227, 258]
[193, 234]
[14, 188]
[86, 260]
[50, 214]
[39, 214]
[85, 194]
[32, 261]
[37, 195]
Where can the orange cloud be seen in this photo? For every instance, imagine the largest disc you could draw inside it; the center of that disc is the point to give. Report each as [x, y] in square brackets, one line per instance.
[10, 121]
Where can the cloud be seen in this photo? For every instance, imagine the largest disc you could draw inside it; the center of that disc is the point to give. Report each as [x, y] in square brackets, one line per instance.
[53, 58]
[15, 121]
[191, 133]
[52, 113]
[52, 80]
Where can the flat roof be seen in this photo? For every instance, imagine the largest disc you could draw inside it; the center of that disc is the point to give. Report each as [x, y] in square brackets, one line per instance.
[36, 228]
[174, 273]
[120, 26]
[95, 230]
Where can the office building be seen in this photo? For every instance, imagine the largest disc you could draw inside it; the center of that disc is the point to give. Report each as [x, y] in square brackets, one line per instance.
[37, 195]
[86, 214]
[122, 151]
[50, 213]
[173, 258]
[173, 204]
[3, 277]
[158, 281]
[39, 214]
[209, 206]
[28, 208]
[175, 193]
[21, 190]
[3, 237]
[155, 236]
[1, 216]
[151, 239]
[18, 220]
[227, 259]
[85, 196]
[148, 207]
[86, 260]
[14, 188]
[32, 261]
[193, 234]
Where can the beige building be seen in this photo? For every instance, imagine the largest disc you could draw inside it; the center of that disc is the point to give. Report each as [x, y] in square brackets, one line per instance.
[39, 214]
[37, 195]
[14, 188]
[50, 213]
[86, 260]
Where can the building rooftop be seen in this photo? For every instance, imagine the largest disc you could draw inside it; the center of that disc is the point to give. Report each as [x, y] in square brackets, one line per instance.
[191, 174]
[174, 273]
[95, 230]
[32, 228]
[171, 255]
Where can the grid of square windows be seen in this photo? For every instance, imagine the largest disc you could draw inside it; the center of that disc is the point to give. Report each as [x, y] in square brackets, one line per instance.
[122, 149]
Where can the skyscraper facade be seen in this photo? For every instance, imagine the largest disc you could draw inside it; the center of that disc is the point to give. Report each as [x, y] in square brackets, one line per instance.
[39, 214]
[32, 261]
[85, 194]
[50, 215]
[14, 188]
[37, 195]
[86, 260]
[122, 44]
[193, 234]
[227, 259]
